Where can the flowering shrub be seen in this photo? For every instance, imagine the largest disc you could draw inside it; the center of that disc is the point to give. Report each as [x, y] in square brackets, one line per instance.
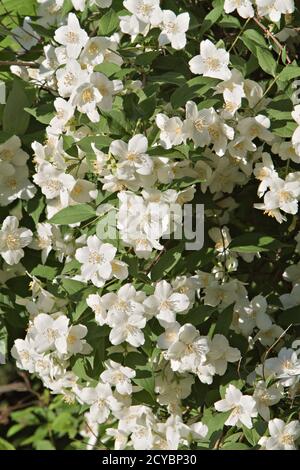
[126, 335]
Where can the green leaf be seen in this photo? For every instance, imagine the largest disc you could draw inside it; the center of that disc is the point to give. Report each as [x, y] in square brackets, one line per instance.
[146, 58]
[147, 384]
[108, 23]
[46, 272]
[5, 445]
[212, 17]
[235, 446]
[166, 262]
[72, 287]
[15, 118]
[224, 321]
[195, 87]
[254, 243]
[266, 61]
[290, 316]
[289, 73]
[73, 215]
[44, 445]
[42, 114]
[35, 207]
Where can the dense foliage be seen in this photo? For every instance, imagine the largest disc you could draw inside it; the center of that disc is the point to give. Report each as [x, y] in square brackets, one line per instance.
[115, 332]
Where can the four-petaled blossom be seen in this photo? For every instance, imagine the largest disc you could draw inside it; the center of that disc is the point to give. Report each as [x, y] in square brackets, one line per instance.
[174, 29]
[282, 435]
[242, 407]
[212, 62]
[96, 259]
[13, 239]
[72, 36]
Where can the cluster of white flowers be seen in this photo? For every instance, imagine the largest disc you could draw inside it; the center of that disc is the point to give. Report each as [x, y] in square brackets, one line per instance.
[192, 151]
[272, 9]
[14, 173]
[47, 348]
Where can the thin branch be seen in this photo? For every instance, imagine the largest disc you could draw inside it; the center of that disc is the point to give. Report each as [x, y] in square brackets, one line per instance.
[19, 62]
[271, 36]
[271, 347]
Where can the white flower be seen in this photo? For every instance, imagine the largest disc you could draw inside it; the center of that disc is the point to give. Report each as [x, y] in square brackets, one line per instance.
[282, 436]
[13, 239]
[96, 260]
[286, 367]
[64, 112]
[265, 172]
[292, 299]
[173, 29]
[296, 134]
[265, 397]
[16, 186]
[133, 26]
[54, 183]
[273, 9]
[133, 156]
[164, 303]
[107, 88]
[243, 407]
[125, 316]
[171, 130]
[43, 239]
[23, 351]
[243, 7]
[118, 376]
[257, 126]
[220, 352]
[96, 303]
[70, 77]
[11, 156]
[197, 123]
[73, 342]
[71, 36]
[48, 332]
[101, 400]
[283, 195]
[83, 191]
[253, 314]
[205, 127]
[211, 62]
[189, 350]
[98, 92]
[86, 98]
[147, 11]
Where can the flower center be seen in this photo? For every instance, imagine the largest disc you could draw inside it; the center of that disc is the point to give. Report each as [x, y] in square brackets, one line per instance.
[72, 38]
[103, 90]
[95, 258]
[6, 155]
[69, 78]
[53, 185]
[12, 241]
[285, 196]
[71, 339]
[171, 27]
[199, 124]
[213, 132]
[144, 9]
[11, 183]
[87, 96]
[93, 49]
[287, 439]
[213, 64]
